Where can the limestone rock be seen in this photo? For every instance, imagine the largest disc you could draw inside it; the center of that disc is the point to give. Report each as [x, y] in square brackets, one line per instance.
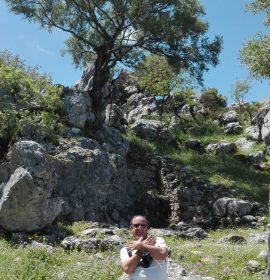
[194, 233]
[231, 207]
[233, 239]
[114, 116]
[78, 108]
[92, 181]
[151, 129]
[229, 117]
[86, 82]
[253, 266]
[221, 148]
[233, 128]
[25, 206]
[138, 106]
[244, 144]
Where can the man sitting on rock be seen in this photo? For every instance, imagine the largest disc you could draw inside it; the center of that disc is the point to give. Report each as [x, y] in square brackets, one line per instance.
[144, 258]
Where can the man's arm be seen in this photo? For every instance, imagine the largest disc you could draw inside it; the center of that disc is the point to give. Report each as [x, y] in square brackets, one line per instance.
[130, 264]
[157, 252]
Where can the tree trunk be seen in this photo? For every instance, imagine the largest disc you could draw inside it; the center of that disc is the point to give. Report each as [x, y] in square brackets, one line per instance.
[100, 80]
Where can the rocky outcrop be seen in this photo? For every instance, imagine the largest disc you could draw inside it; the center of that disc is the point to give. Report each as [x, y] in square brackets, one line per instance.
[244, 144]
[92, 182]
[261, 125]
[152, 129]
[86, 81]
[78, 109]
[188, 197]
[139, 106]
[81, 180]
[233, 128]
[114, 116]
[229, 117]
[27, 201]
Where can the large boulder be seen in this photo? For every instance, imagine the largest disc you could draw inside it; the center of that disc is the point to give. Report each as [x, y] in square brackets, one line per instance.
[25, 206]
[244, 144]
[229, 117]
[222, 148]
[232, 207]
[233, 128]
[78, 108]
[27, 202]
[31, 156]
[92, 181]
[152, 129]
[139, 106]
[114, 116]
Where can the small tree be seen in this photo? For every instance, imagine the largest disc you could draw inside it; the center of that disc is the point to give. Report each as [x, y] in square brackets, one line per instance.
[240, 91]
[106, 32]
[156, 77]
[213, 102]
[246, 110]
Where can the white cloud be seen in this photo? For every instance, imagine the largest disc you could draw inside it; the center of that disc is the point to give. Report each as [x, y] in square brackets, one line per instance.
[45, 51]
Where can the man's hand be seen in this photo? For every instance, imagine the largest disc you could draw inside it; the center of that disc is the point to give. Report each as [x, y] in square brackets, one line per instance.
[139, 244]
[151, 240]
[135, 245]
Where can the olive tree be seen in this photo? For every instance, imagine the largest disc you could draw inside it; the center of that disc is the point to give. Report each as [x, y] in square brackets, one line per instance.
[107, 32]
[256, 52]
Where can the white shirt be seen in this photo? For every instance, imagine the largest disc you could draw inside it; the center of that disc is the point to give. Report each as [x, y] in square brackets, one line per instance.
[156, 271]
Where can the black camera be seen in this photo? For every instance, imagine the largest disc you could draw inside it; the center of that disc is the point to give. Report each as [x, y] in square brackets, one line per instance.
[146, 259]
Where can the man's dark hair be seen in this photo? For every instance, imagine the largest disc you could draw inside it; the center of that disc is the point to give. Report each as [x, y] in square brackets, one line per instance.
[136, 216]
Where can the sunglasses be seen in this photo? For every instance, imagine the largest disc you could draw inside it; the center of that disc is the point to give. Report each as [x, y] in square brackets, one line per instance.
[139, 225]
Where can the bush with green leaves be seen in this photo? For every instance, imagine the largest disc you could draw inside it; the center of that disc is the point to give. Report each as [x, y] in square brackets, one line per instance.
[155, 76]
[27, 97]
[213, 102]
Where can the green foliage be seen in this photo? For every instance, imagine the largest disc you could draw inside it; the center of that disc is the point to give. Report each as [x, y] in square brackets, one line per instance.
[256, 53]
[9, 123]
[213, 102]
[261, 6]
[246, 110]
[27, 97]
[155, 76]
[108, 32]
[240, 90]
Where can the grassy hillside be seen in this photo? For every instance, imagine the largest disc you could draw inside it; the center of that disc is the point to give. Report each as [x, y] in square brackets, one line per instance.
[226, 170]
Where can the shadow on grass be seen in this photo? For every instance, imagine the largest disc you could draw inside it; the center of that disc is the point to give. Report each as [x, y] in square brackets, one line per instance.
[228, 171]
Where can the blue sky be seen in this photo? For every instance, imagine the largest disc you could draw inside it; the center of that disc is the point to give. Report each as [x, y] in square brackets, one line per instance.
[227, 18]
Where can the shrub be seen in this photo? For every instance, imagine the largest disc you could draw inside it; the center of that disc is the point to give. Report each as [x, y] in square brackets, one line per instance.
[213, 102]
[27, 97]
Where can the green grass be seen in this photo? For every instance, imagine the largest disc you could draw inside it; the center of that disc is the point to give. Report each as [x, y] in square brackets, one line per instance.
[206, 258]
[212, 258]
[228, 171]
[223, 170]
[31, 263]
